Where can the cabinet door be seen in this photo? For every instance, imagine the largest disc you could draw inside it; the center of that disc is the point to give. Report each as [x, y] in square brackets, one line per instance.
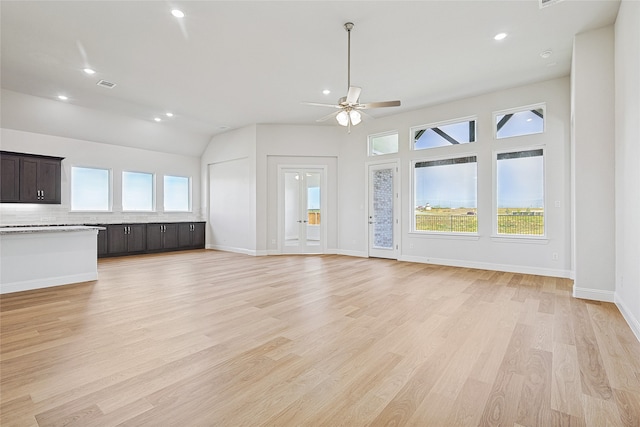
[116, 238]
[49, 180]
[170, 238]
[137, 238]
[29, 180]
[103, 249]
[198, 235]
[184, 235]
[10, 179]
[154, 237]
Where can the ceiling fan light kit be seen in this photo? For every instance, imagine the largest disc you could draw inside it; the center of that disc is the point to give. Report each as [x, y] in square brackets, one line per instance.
[348, 106]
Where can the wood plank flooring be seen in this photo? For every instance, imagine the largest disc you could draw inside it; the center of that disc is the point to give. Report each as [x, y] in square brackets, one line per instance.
[207, 338]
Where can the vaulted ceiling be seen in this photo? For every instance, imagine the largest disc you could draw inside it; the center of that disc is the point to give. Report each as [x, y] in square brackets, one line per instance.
[227, 64]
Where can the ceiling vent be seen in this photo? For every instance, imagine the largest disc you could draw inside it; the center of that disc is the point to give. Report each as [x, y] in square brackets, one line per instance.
[545, 3]
[106, 84]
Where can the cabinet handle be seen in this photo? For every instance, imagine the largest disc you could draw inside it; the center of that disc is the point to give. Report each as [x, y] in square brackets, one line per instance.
[42, 194]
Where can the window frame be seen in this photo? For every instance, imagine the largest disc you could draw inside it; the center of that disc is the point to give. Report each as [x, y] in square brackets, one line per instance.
[378, 135]
[432, 233]
[495, 114]
[109, 188]
[189, 194]
[413, 129]
[153, 191]
[540, 238]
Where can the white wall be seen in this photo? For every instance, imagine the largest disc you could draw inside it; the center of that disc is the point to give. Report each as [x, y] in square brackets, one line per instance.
[627, 172]
[231, 204]
[92, 154]
[486, 250]
[592, 80]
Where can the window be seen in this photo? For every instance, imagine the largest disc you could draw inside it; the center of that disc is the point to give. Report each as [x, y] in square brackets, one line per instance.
[137, 191]
[176, 193]
[445, 195]
[523, 121]
[90, 189]
[384, 143]
[520, 192]
[461, 131]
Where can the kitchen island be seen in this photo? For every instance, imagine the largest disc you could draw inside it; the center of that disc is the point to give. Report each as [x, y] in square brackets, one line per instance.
[40, 257]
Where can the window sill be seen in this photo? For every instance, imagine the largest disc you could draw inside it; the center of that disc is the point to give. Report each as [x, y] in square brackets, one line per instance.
[535, 240]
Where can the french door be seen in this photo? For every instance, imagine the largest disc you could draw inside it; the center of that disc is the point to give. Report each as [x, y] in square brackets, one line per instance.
[301, 210]
[383, 210]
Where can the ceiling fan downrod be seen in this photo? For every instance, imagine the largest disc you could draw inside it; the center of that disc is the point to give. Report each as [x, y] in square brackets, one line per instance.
[348, 26]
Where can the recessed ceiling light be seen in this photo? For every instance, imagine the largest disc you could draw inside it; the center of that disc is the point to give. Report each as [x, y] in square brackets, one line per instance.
[500, 36]
[169, 114]
[326, 91]
[177, 13]
[89, 71]
[62, 97]
[157, 119]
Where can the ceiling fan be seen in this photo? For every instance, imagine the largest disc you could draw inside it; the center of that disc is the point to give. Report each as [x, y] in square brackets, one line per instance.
[349, 106]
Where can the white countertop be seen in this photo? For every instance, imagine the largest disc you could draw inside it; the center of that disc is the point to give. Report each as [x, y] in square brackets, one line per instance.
[48, 229]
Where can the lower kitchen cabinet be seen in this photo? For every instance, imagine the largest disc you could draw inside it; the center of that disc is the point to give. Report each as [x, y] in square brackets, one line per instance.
[191, 235]
[162, 237]
[126, 238]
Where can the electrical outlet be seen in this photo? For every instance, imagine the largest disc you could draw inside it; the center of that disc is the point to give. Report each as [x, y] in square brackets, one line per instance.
[554, 256]
[273, 241]
[410, 245]
[557, 204]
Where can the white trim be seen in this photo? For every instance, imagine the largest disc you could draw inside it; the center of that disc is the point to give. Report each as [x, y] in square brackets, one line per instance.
[427, 126]
[593, 294]
[28, 285]
[233, 249]
[515, 110]
[634, 323]
[507, 268]
[381, 134]
[359, 254]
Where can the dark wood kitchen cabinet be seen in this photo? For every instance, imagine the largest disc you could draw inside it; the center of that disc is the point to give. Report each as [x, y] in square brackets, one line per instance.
[162, 237]
[126, 238]
[30, 178]
[191, 235]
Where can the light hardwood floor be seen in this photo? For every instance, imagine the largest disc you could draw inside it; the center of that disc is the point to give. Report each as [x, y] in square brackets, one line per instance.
[206, 338]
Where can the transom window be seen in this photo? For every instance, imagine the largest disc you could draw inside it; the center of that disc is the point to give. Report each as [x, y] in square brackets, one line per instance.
[461, 131]
[383, 143]
[519, 122]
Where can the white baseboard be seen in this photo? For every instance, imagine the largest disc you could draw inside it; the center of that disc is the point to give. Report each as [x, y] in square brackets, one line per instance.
[634, 323]
[48, 282]
[508, 268]
[233, 249]
[593, 294]
[359, 254]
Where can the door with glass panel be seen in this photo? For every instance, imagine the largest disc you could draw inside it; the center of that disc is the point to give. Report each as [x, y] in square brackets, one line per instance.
[301, 219]
[382, 210]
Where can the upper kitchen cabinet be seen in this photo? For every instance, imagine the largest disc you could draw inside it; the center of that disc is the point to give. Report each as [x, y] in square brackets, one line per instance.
[30, 178]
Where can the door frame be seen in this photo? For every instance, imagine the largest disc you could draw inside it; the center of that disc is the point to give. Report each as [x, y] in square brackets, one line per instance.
[395, 163]
[323, 204]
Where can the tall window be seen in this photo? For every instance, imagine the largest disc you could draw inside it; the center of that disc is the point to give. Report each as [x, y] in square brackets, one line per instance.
[461, 131]
[137, 191]
[520, 192]
[90, 189]
[445, 195]
[383, 143]
[176, 193]
[523, 121]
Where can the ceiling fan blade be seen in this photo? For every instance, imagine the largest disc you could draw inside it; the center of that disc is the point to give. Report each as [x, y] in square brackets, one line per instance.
[328, 116]
[317, 104]
[380, 104]
[353, 94]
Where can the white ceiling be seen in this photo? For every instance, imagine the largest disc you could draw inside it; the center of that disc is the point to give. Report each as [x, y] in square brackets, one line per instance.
[228, 64]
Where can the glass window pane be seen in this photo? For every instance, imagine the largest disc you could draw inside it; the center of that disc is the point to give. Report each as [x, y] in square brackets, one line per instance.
[444, 135]
[445, 196]
[176, 193]
[520, 192]
[383, 144]
[520, 123]
[89, 189]
[137, 191]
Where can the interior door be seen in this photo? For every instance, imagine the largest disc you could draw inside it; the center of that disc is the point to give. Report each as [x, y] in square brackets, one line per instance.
[301, 210]
[382, 210]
